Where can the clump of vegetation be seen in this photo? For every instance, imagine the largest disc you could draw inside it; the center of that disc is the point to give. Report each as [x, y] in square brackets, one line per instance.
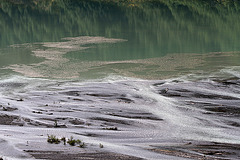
[71, 141]
[53, 139]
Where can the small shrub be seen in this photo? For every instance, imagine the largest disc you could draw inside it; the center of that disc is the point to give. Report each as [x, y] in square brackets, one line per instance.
[53, 139]
[78, 141]
[71, 141]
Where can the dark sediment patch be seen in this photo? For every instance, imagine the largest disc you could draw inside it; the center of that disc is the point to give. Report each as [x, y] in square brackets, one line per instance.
[37, 112]
[62, 111]
[220, 97]
[213, 96]
[72, 93]
[228, 110]
[78, 99]
[41, 124]
[100, 95]
[229, 81]
[7, 119]
[158, 84]
[7, 108]
[20, 121]
[76, 121]
[58, 155]
[201, 89]
[232, 123]
[110, 121]
[55, 123]
[126, 100]
[148, 116]
[201, 104]
[187, 93]
[225, 110]
[115, 96]
[111, 128]
[61, 122]
[84, 96]
[202, 150]
[12, 85]
[89, 134]
[36, 123]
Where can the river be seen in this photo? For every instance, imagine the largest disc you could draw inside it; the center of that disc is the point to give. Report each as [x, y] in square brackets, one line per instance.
[147, 79]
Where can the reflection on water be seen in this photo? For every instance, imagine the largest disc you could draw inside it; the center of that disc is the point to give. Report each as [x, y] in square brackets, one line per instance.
[152, 29]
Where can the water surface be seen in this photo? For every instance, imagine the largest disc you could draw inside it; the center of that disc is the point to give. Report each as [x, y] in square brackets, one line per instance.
[154, 38]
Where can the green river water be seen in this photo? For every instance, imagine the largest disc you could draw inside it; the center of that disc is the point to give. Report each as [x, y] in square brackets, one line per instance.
[153, 39]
